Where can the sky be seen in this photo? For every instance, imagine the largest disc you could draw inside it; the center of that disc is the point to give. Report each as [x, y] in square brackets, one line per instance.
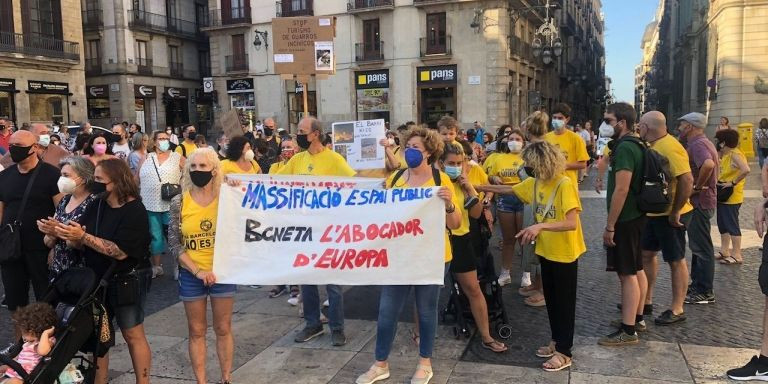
[625, 22]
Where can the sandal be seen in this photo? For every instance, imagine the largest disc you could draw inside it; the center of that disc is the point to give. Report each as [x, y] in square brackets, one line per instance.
[730, 260]
[277, 292]
[720, 256]
[527, 291]
[536, 301]
[546, 351]
[495, 346]
[415, 338]
[558, 362]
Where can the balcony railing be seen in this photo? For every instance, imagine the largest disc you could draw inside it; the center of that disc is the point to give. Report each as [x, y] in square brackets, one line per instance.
[177, 69]
[92, 19]
[229, 16]
[93, 66]
[366, 52]
[144, 66]
[35, 45]
[236, 63]
[364, 5]
[439, 46]
[158, 23]
[520, 48]
[286, 9]
[425, 2]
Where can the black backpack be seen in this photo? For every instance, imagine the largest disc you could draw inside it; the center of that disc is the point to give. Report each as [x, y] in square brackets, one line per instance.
[653, 196]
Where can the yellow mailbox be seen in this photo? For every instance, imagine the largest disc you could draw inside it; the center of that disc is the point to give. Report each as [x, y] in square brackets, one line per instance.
[746, 139]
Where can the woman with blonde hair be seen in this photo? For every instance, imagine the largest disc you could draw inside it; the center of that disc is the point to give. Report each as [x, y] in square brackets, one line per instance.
[558, 239]
[191, 239]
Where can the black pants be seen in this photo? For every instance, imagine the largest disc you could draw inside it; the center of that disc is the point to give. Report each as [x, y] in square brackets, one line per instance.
[559, 282]
[32, 268]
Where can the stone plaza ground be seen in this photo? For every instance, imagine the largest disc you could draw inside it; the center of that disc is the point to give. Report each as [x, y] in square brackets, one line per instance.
[715, 337]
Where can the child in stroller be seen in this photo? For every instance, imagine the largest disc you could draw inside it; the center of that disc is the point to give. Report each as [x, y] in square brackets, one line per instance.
[36, 322]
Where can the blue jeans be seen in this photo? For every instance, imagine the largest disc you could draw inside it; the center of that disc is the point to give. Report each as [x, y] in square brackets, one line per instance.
[391, 303]
[702, 250]
[310, 297]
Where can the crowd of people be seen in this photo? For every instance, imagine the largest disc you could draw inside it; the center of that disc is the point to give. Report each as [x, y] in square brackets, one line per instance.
[119, 201]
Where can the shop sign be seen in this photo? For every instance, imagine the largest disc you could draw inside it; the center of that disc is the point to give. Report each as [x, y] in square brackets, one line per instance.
[7, 84]
[177, 93]
[298, 87]
[372, 79]
[97, 92]
[442, 74]
[47, 87]
[240, 85]
[144, 91]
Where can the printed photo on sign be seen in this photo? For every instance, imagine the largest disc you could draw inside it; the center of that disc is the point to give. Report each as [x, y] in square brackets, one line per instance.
[361, 139]
[341, 150]
[368, 147]
[324, 55]
[344, 133]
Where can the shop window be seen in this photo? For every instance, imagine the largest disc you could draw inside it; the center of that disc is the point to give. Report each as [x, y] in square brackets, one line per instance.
[98, 108]
[46, 107]
[6, 105]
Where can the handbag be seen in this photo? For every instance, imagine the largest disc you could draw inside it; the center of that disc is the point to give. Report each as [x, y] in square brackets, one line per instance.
[724, 193]
[167, 190]
[10, 233]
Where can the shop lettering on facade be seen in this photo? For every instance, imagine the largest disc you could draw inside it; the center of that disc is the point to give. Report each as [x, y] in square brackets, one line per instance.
[97, 91]
[440, 74]
[240, 85]
[48, 87]
[177, 93]
[144, 91]
[8, 84]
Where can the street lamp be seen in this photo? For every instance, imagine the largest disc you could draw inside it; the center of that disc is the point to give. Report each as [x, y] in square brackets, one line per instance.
[257, 40]
[547, 42]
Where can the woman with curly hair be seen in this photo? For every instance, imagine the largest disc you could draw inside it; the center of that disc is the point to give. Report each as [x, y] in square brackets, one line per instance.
[240, 157]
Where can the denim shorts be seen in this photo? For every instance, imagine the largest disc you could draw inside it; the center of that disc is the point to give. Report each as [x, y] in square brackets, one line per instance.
[509, 203]
[192, 289]
[129, 316]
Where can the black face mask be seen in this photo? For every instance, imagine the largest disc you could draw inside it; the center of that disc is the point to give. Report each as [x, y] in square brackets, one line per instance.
[302, 141]
[19, 154]
[268, 131]
[200, 178]
[115, 137]
[192, 135]
[98, 187]
[530, 171]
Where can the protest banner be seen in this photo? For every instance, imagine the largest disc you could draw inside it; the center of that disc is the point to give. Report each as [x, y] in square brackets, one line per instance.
[358, 143]
[328, 230]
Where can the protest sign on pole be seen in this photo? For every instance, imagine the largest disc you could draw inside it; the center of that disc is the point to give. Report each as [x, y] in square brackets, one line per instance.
[358, 143]
[328, 230]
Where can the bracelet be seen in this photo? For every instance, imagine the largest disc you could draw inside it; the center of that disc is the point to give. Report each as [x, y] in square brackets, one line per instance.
[198, 271]
[609, 230]
[452, 209]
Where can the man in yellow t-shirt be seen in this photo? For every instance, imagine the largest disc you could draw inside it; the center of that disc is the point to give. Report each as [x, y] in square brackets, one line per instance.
[188, 145]
[569, 142]
[666, 232]
[320, 161]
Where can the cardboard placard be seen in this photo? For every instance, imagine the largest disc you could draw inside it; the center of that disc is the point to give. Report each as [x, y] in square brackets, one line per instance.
[230, 123]
[304, 45]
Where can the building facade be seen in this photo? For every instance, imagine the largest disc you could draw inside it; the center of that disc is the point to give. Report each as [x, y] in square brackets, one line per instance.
[144, 61]
[41, 61]
[417, 60]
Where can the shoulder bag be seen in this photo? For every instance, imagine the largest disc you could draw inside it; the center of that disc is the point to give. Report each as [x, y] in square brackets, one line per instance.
[10, 234]
[167, 190]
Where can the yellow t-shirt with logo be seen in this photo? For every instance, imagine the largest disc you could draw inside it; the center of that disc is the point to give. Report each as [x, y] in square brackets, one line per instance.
[729, 171]
[573, 147]
[324, 163]
[506, 166]
[229, 166]
[562, 247]
[677, 156]
[198, 230]
[489, 161]
[445, 181]
[188, 147]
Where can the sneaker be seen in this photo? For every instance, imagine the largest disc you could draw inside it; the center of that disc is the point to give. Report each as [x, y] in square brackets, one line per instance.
[278, 291]
[618, 338]
[754, 370]
[255, 286]
[647, 309]
[326, 303]
[669, 318]
[157, 271]
[374, 374]
[338, 338]
[639, 326]
[525, 280]
[308, 334]
[293, 301]
[504, 278]
[700, 298]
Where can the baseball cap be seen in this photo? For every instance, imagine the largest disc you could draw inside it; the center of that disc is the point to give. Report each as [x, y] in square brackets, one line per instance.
[696, 119]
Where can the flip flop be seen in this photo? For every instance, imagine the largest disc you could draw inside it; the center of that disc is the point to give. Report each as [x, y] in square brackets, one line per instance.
[532, 302]
[562, 362]
[527, 291]
[720, 256]
[730, 260]
[490, 346]
[546, 351]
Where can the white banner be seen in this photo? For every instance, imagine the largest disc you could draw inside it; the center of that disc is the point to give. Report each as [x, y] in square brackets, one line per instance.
[328, 230]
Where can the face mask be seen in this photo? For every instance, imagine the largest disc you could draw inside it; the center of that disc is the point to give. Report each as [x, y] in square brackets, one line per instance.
[168, 131]
[391, 141]
[192, 135]
[44, 140]
[163, 145]
[719, 145]
[558, 124]
[249, 155]
[100, 149]
[19, 154]
[288, 154]
[268, 131]
[530, 171]
[98, 187]
[413, 157]
[515, 146]
[606, 130]
[302, 141]
[453, 172]
[115, 137]
[200, 178]
[66, 185]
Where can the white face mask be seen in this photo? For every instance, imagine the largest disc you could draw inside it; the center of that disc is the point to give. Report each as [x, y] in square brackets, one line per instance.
[249, 155]
[66, 185]
[606, 130]
[515, 146]
[44, 140]
[391, 141]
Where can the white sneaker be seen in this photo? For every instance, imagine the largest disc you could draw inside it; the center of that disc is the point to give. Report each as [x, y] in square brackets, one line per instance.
[326, 303]
[157, 271]
[293, 301]
[504, 278]
[526, 280]
[373, 375]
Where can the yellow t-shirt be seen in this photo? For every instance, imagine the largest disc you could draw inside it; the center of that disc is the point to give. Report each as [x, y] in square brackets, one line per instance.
[458, 194]
[198, 230]
[476, 174]
[729, 171]
[562, 247]
[444, 181]
[506, 166]
[274, 168]
[229, 166]
[188, 147]
[677, 156]
[489, 161]
[573, 147]
[325, 163]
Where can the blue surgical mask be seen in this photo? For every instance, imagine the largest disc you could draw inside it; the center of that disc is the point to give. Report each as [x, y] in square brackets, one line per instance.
[163, 145]
[453, 172]
[413, 157]
[558, 124]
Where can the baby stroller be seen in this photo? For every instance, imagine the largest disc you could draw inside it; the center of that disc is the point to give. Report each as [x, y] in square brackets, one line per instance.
[75, 295]
[457, 310]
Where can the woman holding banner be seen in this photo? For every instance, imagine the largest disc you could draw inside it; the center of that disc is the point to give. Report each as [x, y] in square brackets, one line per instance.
[191, 240]
[423, 148]
[240, 157]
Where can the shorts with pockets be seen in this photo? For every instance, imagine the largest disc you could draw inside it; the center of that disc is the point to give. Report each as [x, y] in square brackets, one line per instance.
[509, 203]
[659, 235]
[626, 257]
[192, 289]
